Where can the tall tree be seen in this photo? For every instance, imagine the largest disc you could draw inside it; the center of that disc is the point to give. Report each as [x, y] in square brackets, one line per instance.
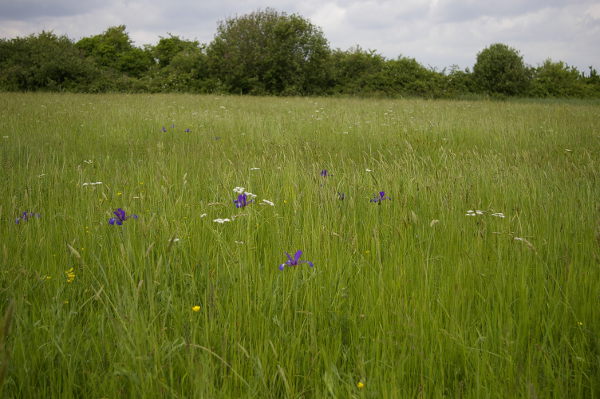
[44, 62]
[267, 52]
[114, 49]
[500, 70]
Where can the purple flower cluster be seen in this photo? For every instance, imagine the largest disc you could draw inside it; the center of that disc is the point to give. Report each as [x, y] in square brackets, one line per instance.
[120, 217]
[380, 197]
[164, 129]
[25, 216]
[242, 201]
[295, 261]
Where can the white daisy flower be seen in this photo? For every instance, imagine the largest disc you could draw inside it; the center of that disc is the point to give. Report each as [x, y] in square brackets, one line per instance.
[222, 220]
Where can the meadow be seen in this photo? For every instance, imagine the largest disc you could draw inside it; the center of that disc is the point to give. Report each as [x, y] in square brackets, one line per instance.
[475, 275]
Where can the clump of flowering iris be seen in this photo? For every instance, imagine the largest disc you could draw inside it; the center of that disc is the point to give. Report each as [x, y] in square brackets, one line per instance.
[295, 261]
[380, 197]
[120, 217]
[242, 200]
[25, 216]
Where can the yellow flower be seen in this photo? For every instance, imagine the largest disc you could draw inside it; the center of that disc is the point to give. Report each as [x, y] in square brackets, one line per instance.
[196, 308]
[119, 193]
[70, 275]
[580, 323]
[360, 385]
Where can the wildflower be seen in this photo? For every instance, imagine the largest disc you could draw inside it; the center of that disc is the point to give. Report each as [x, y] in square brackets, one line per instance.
[187, 130]
[295, 261]
[91, 184]
[360, 385]
[70, 275]
[324, 173]
[477, 212]
[238, 190]
[380, 197]
[368, 170]
[120, 217]
[221, 220]
[196, 308]
[254, 168]
[25, 216]
[203, 215]
[164, 129]
[498, 215]
[242, 201]
[267, 202]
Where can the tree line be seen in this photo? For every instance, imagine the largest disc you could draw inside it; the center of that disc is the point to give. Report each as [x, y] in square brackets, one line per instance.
[270, 53]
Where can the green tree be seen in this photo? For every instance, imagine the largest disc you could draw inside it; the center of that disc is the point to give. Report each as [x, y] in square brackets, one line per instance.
[44, 62]
[267, 52]
[114, 49]
[405, 76]
[182, 65]
[557, 79]
[500, 70]
[358, 71]
[168, 47]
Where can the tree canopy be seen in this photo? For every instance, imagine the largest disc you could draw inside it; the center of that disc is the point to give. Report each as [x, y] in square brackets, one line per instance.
[273, 53]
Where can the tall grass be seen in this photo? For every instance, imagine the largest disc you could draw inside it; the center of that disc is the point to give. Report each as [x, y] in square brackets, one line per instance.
[410, 297]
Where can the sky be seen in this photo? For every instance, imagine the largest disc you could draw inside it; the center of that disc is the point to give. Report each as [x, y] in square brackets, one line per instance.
[437, 33]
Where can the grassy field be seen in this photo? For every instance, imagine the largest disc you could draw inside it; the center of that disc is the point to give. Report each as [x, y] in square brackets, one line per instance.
[411, 296]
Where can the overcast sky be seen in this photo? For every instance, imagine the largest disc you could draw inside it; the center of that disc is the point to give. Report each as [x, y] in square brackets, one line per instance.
[437, 33]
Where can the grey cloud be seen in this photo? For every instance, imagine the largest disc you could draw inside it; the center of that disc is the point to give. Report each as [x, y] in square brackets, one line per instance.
[462, 10]
[31, 9]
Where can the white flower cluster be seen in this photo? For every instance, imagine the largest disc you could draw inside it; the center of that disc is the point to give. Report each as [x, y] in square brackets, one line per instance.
[474, 213]
[477, 212]
[91, 184]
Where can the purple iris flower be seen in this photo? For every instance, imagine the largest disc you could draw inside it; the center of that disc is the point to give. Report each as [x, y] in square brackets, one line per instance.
[295, 261]
[324, 173]
[120, 217]
[25, 216]
[164, 129]
[242, 201]
[187, 130]
[380, 197]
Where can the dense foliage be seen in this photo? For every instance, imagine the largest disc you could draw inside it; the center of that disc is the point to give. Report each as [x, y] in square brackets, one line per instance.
[268, 52]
